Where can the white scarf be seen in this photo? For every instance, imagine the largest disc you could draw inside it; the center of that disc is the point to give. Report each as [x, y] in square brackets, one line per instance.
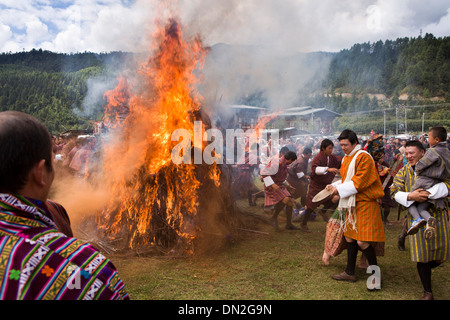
[350, 202]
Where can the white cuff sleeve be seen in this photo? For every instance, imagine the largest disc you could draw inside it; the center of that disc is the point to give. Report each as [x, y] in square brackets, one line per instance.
[300, 175]
[336, 183]
[438, 191]
[321, 171]
[346, 189]
[402, 198]
[268, 181]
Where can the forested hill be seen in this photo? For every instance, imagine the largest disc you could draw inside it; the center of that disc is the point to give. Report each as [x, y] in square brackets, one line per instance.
[47, 61]
[372, 77]
[415, 66]
[51, 85]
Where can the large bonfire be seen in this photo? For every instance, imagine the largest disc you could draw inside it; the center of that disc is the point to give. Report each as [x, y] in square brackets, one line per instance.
[154, 202]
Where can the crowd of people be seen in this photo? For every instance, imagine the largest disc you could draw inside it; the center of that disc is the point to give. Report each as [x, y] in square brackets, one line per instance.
[77, 154]
[353, 184]
[357, 181]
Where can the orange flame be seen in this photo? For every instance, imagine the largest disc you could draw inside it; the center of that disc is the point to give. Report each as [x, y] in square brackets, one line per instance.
[264, 119]
[137, 160]
[117, 108]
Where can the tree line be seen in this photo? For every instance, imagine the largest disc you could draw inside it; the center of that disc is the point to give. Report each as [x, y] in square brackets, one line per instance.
[406, 72]
[417, 66]
[52, 85]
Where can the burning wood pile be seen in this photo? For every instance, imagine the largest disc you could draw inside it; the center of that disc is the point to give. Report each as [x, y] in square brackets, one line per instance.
[154, 203]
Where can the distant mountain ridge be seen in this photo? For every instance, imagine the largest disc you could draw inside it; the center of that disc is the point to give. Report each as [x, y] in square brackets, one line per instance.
[52, 85]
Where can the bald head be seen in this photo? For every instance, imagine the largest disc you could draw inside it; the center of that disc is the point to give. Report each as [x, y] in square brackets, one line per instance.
[24, 142]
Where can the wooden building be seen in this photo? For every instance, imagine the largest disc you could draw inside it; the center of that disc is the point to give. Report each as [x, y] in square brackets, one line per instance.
[304, 120]
[240, 116]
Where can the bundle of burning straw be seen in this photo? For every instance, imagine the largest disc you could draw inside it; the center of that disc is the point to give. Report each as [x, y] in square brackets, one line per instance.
[154, 202]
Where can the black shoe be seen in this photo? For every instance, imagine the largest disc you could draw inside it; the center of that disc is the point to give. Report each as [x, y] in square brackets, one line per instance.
[305, 228]
[344, 277]
[292, 227]
[427, 296]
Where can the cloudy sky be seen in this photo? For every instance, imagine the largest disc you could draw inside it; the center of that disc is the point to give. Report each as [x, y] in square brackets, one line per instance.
[295, 25]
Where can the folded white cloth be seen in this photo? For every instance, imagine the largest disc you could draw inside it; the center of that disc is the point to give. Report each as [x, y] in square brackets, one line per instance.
[348, 199]
[321, 171]
[347, 190]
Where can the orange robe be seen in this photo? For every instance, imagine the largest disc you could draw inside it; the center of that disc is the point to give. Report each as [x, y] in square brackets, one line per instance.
[369, 225]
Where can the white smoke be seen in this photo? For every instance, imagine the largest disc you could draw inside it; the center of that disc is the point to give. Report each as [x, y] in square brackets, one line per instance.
[257, 45]
[232, 73]
[92, 102]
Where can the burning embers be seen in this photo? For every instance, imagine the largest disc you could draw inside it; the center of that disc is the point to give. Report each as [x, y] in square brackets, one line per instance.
[153, 201]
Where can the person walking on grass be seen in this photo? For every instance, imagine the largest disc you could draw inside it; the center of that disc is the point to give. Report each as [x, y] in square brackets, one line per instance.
[277, 189]
[428, 254]
[324, 167]
[359, 191]
[432, 168]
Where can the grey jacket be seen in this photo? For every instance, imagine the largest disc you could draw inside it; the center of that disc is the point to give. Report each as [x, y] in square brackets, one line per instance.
[433, 167]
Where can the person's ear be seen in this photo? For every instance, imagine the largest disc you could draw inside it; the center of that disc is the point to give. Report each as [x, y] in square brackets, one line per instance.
[38, 173]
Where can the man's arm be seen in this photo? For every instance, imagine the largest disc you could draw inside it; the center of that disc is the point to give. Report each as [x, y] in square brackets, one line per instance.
[362, 178]
[400, 194]
[398, 189]
[269, 171]
[438, 191]
[296, 170]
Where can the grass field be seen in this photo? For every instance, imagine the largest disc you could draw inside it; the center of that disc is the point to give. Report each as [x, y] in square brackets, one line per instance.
[276, 265]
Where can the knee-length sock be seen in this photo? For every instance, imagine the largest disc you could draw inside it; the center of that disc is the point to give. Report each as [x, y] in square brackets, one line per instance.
[352, 253]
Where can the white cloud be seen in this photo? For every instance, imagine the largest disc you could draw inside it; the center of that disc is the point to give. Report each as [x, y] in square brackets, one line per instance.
[5, 35]
[17, 4]
[310, 25]
[68, 40]
[441, 28]
[117, 28]
[36, 31]
[280, 27]
[294, 25]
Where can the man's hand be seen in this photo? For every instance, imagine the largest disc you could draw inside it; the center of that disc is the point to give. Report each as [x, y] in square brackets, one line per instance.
[331, 188]
[275, 187]
[418, 195]
[333, 170]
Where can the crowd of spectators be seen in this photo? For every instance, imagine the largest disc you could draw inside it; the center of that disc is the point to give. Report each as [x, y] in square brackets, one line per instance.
[76, 154]
[393, 145]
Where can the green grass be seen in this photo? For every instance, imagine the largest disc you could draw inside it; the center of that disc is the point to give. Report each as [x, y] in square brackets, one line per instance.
[270, 265]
